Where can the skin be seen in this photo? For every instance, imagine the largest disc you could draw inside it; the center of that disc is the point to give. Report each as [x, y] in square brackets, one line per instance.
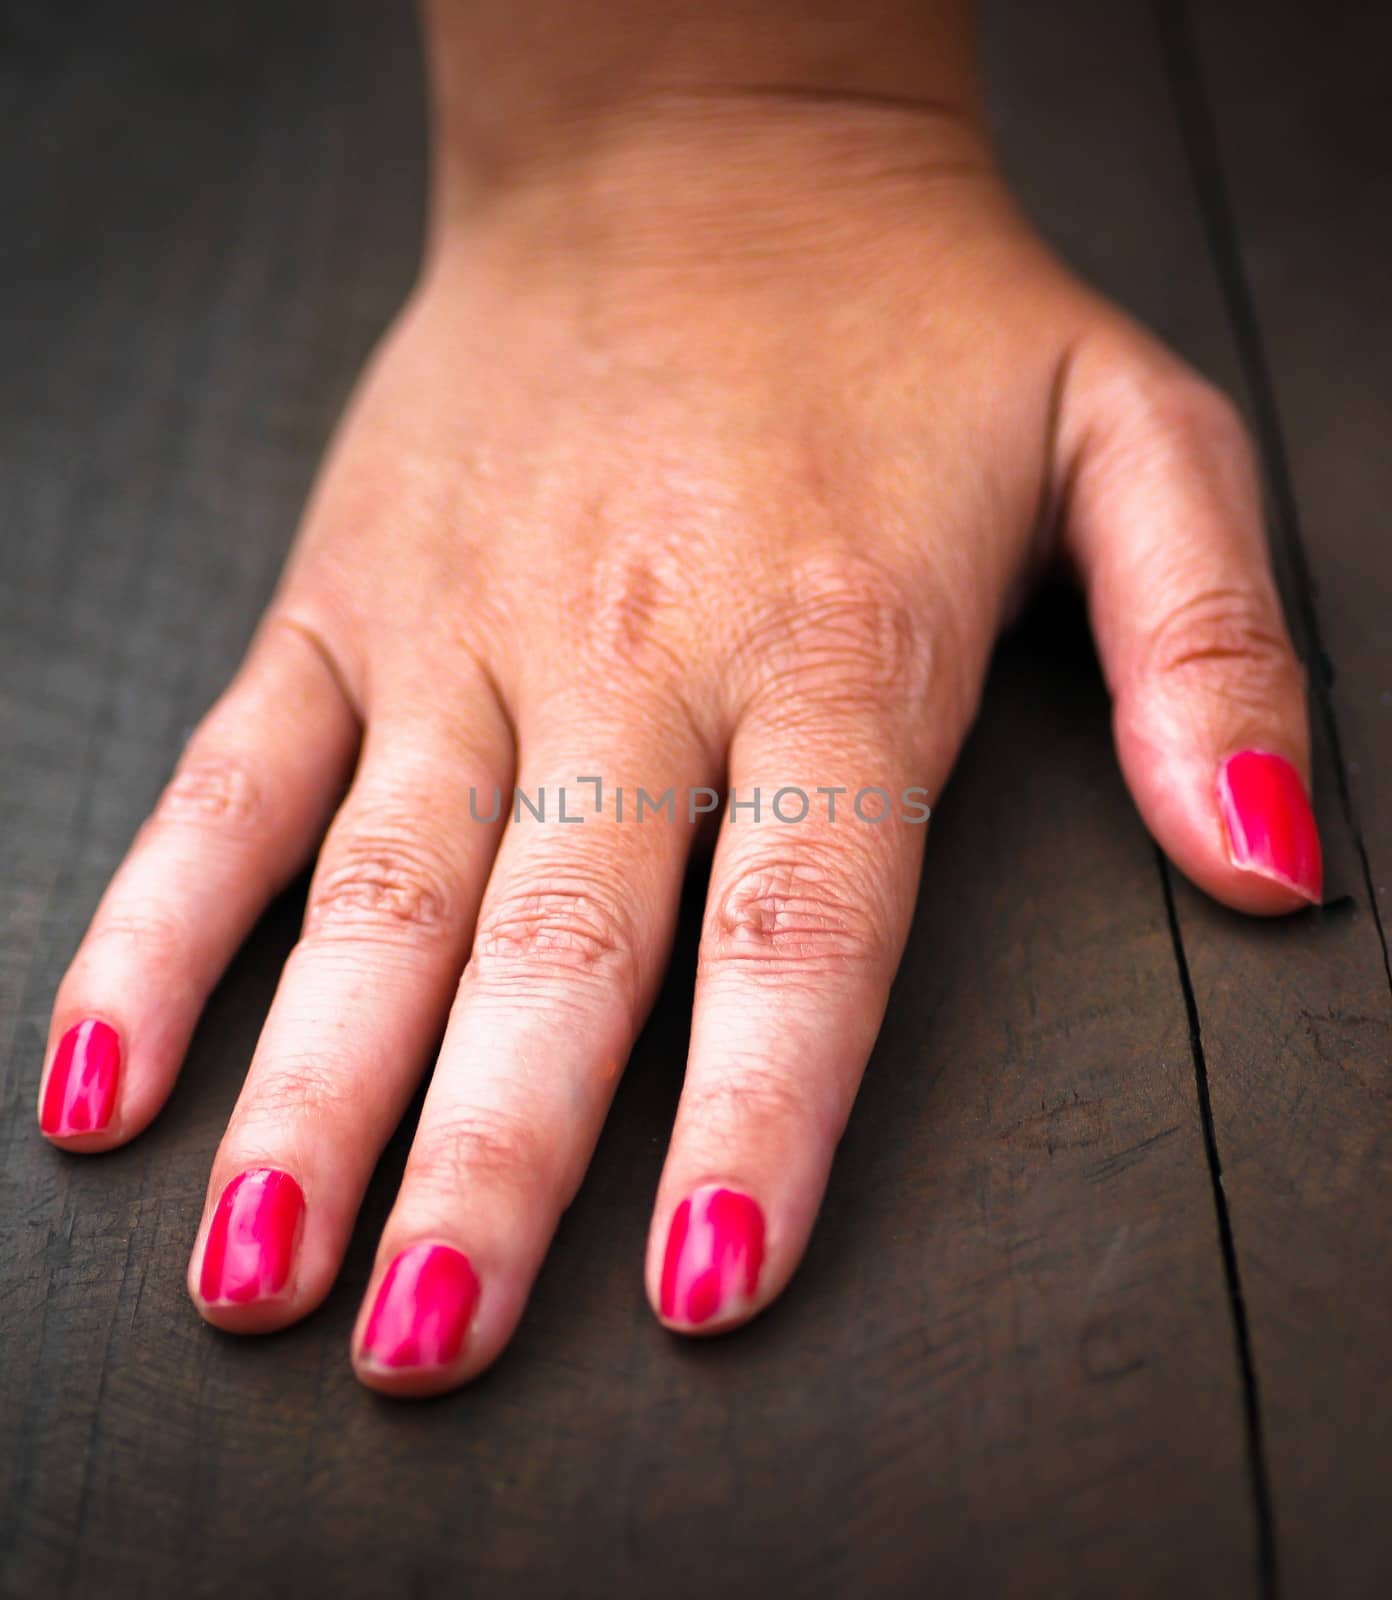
[733, 415]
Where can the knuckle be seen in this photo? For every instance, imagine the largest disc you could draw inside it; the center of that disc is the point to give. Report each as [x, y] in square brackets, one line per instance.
[214, 789]
[155, 938]
[476, 1146]
[296, 1091]
[800, 914]
[628, 597]
[576, 928]
[1233, 630]
[845, 630]
[729, 1108]
[383, 881]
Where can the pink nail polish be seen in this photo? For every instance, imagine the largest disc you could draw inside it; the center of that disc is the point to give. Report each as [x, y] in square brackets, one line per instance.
[81, 1090]
[715, 1250]
[1271, 828]
[423, 1308]
[251, 1243]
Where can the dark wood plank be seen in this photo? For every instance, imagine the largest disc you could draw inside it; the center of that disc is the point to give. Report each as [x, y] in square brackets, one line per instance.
[1008, 1364]
[1293, 1018]
[1299, 1046]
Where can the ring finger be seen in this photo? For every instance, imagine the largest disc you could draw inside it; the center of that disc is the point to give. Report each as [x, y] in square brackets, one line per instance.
[806, 918]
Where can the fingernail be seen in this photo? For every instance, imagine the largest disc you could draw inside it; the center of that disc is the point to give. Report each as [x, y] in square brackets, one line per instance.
[251, 1243]
[422, 1311]
[715, 1249]
[1271, 828]
[81, 1089]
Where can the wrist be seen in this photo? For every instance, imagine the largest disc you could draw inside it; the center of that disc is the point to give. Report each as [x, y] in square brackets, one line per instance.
[724, 98]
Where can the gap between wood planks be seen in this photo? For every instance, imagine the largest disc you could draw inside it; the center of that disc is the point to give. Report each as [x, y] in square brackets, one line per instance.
[1198, 134]
[1242, 1338]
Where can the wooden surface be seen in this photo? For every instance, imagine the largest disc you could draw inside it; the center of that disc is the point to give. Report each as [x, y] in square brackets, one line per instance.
[1101, 1298]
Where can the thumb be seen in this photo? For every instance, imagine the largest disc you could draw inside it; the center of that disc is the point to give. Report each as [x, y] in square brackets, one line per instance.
[1163, 519]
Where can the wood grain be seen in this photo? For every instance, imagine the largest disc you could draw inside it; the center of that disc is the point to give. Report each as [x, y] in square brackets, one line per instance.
[1297, 1030]
[1276, 170]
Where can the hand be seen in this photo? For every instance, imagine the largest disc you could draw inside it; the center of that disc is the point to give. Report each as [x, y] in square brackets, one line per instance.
[718, 457]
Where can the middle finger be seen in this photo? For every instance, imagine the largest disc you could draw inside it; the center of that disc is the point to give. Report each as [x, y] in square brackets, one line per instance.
[573, 934]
